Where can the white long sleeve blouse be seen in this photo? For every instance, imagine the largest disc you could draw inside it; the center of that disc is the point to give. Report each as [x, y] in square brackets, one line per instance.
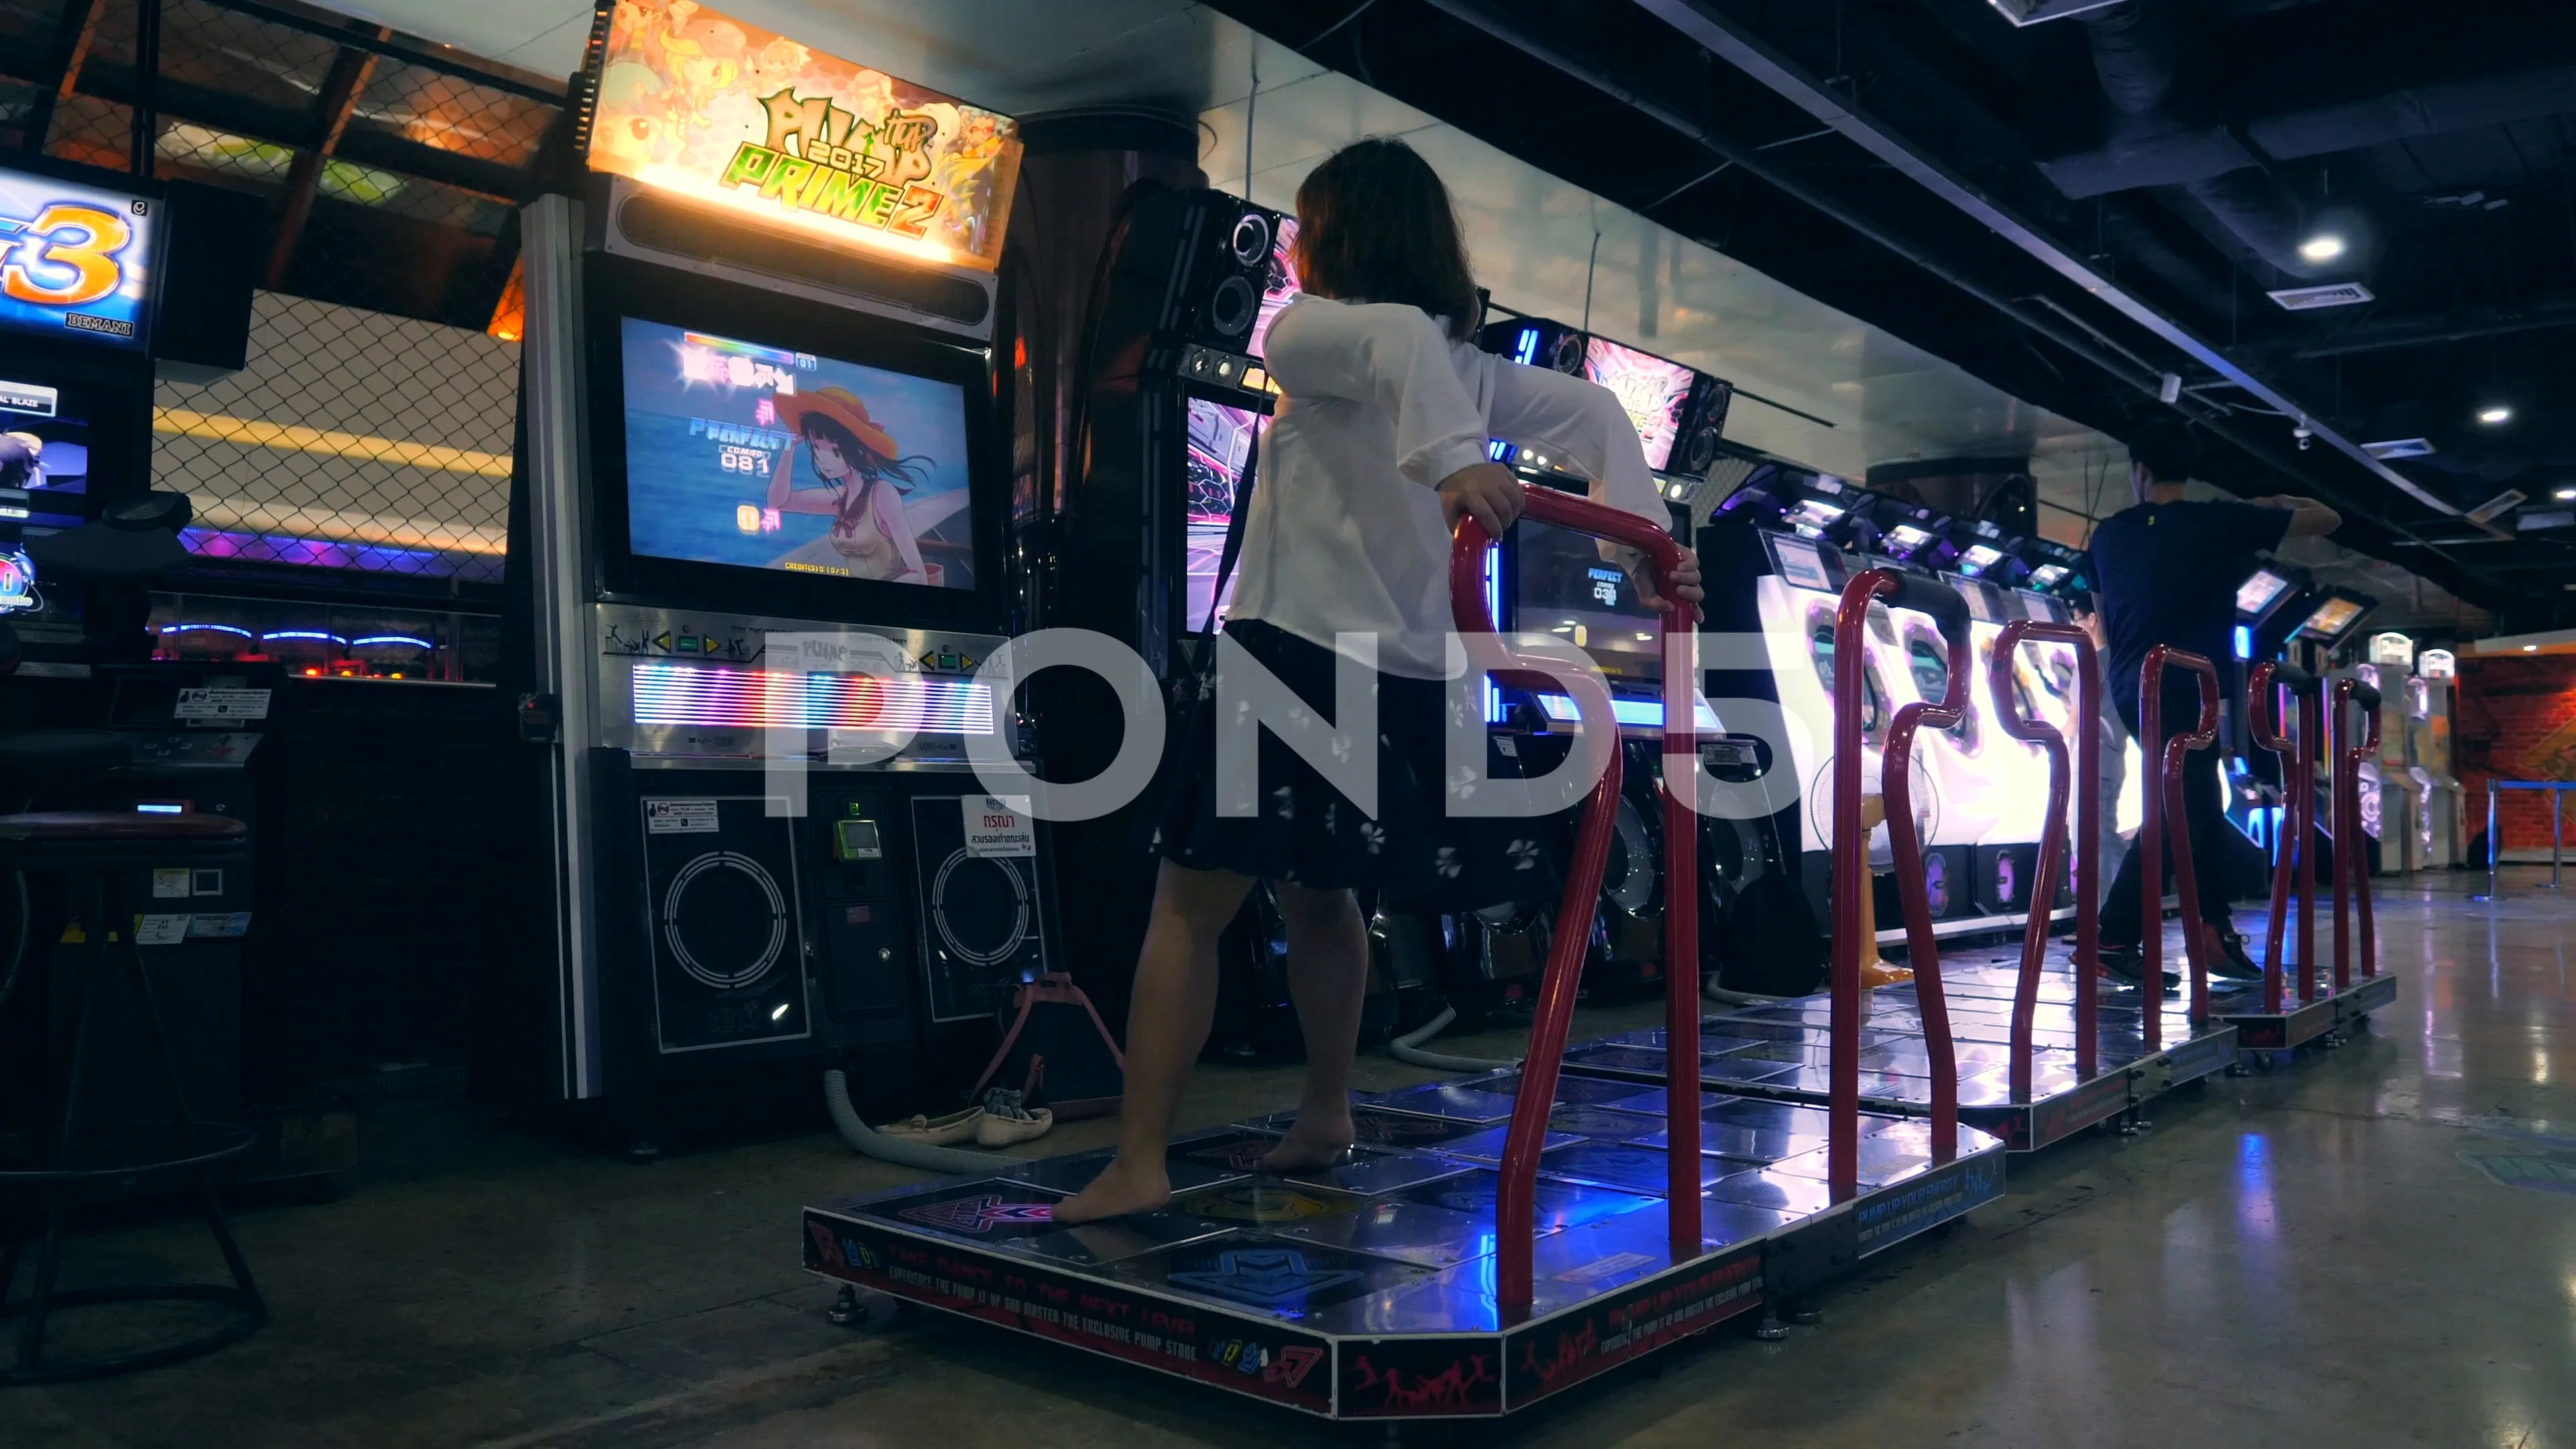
[1345, 533]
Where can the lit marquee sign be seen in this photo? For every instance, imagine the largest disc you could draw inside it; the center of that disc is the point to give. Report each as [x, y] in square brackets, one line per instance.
[75, 260]
[722, 111]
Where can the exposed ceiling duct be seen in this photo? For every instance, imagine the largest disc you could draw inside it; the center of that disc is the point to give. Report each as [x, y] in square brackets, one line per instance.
[2137, 55]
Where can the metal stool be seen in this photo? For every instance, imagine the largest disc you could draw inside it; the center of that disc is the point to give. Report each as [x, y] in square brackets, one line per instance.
[96, 852]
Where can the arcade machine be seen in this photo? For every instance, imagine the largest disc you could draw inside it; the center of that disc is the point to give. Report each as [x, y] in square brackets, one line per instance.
[1548, 580]
[758, 552]
[2269, 610]
[2428, 748]
[1493, 1241]
[2332, 622]
[2405, 826]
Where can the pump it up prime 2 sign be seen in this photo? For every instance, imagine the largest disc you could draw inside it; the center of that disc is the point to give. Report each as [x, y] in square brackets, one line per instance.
[719, 110]
[75, 260]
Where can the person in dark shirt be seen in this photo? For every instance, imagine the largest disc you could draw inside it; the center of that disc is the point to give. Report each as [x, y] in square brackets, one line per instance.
[2166, 571]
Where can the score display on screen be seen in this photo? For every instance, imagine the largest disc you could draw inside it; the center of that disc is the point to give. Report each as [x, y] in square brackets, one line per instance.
[2257, 593]
[75, 261]
[1564, 587]
[1653, 391]
[756, 457]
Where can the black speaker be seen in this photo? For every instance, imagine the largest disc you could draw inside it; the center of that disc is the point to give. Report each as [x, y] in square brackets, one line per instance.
[1703, 427]
[724, 920]
[209, 266]
[1191, 269]
[1535, 342]
[980, 934]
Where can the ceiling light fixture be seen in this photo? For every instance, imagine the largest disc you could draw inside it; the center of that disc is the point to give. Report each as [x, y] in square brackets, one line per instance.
[2321, 248]
[2565, 495]
[2495, 417]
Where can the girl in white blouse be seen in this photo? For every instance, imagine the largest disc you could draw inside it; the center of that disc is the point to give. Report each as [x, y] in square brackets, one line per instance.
[1379, 445]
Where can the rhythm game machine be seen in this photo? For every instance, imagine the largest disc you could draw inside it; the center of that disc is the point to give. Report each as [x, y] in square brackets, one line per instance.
[1798, 537]
[1547, 580]
[760, 553]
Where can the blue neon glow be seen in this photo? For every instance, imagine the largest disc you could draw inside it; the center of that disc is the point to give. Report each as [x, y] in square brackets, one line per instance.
[152, 809]
[1499, 451]
[2244, 642]
[207, 629]
[1493, 612]
[1525, 351]
[1647, 712]
[392, 639]
[316, 635]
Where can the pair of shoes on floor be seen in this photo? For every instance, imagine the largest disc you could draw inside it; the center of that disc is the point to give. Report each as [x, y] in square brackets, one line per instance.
[1000, 1122]
[2127, 966]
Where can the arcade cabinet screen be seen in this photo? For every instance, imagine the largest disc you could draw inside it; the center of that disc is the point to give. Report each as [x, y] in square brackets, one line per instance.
[2257, 593]
[44, 449]
[2049, 576]
[1800, 565]
[78, 260]
[756, 457]
[1905, 540]
[1979, 558]
[2331, 618]
[1220, 441]
[1652, 390]
[1566, 589]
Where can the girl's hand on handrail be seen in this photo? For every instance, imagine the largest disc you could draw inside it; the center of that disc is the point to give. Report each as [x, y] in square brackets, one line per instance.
[1485, 492]
[1685, 580]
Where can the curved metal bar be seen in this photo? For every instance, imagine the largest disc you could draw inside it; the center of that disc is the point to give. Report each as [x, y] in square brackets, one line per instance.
[2053, 843]
[2162, 807]
[2352, 862]
[1515, 1205]
[2262, 721]
[1851, 865]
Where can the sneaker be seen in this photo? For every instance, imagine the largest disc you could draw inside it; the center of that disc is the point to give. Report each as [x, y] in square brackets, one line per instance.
[945, 1131]
[2127, 966]
[1005, 1121]
[2232, 963]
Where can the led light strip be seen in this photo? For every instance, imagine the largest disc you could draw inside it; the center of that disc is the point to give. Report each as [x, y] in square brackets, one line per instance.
[682, 694]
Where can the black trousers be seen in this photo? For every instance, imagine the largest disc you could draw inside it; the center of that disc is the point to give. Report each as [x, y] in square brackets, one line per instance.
[2206, 818]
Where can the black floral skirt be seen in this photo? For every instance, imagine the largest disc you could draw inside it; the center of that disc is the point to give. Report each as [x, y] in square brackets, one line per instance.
[1413, 852]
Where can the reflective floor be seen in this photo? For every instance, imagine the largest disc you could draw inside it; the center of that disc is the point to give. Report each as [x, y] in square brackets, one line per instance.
[2374, 1245]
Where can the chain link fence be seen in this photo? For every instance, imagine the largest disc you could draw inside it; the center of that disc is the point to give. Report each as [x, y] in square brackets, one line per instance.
[370, 432]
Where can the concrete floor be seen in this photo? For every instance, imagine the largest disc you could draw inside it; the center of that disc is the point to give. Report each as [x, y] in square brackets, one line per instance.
[2313, 1256]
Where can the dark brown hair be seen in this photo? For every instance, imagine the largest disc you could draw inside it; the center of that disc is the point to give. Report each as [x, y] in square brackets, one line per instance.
[1374, 224]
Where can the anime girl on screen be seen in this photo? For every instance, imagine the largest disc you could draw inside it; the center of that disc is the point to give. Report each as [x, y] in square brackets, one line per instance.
[864, 476]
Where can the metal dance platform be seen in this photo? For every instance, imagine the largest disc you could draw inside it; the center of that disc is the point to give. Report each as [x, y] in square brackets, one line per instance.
[1369, 1290]
[1779, 1051]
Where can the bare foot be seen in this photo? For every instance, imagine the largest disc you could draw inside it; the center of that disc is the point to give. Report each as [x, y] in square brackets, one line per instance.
[1315, 1142]
[1119, 1190]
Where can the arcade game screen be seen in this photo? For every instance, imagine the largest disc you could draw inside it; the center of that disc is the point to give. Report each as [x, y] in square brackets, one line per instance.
[2331, 618]
[1652, 390]
[44, 448]
[1565, 589]
[756, 457]
[1220, 441]
[2257, 593]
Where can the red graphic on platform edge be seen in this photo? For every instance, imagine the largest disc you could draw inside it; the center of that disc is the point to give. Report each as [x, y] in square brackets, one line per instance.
[1292, 1365]
[1451, 1388]
[828, 1246]
[1574, 1354]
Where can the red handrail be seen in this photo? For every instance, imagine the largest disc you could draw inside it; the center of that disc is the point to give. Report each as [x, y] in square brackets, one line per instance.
[1851, 866]
[2052, 842]
[2294, 870]
[2160, 807]
[2352, 861]
[1515, 1203]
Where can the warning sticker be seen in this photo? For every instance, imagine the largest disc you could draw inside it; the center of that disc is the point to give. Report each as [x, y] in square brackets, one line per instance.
[219, 924]
[161, 930]
[994, 828]
[221, 704]
[168, 881]
[680, 817]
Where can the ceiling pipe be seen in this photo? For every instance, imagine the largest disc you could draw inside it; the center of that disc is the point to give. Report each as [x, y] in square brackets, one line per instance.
[1751, 160]
[1729, 41]
[2137, 57]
